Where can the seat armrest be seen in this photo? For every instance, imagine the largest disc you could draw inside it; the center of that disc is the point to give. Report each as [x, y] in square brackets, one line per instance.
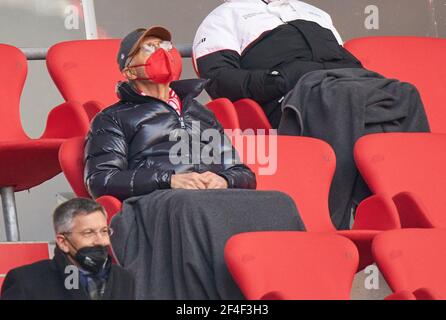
[92, 108]
[401, 295]
[412, 212]
[111, 204]
[377, 212]
[65, 121]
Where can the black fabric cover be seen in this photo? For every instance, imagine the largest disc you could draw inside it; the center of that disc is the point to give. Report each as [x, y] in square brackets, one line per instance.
[339, 106]
[173, 240]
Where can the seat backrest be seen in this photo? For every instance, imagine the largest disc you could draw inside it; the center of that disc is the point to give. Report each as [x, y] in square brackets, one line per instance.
[85, 70]
[71, 159]
[397, 162]
[417, 60]
[412, 258]
[292, 265]
[251, 115]
[298, 166]
[225, 113]
[13, 68]
[16, 254]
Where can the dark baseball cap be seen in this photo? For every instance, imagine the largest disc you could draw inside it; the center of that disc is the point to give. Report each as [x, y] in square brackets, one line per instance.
[134, 38]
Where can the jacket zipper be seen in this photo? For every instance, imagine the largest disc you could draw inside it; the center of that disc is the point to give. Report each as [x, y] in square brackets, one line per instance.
[183, 126]
[180, 116]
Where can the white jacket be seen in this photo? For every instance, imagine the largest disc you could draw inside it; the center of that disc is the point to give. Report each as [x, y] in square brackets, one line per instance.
[237, 23]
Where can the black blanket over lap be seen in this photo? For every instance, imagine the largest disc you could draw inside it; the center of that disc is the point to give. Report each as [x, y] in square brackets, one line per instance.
[341, 105]
[173, 240]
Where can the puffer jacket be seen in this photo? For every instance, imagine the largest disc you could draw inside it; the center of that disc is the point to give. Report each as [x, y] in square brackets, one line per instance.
[127, 148]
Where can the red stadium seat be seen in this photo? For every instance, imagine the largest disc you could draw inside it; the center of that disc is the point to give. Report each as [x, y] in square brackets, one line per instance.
[13, 255]
[86, 71]
[417, 60]
[413, 261]
[225, 113]
[292, 265]
[72, 164]
[410, 167]
[419, 294]
[305, 168]
[251, 115]
[71, 157]
[26, 162]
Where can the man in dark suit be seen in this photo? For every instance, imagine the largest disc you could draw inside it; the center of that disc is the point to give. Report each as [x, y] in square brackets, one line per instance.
[81, 268]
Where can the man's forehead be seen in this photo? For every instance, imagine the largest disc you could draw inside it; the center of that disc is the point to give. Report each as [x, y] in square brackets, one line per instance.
[150, 39]
[92, 220]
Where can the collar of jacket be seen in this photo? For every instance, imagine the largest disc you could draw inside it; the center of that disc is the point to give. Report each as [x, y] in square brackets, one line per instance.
[61, 261]
[190, 88]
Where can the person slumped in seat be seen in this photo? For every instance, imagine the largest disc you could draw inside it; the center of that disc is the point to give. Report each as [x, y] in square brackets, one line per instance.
[81, 268]
[128, 148]
[288, 56]
[185, 190]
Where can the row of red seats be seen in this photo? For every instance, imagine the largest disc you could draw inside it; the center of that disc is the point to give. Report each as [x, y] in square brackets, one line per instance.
[402, 227]
[304, 266]
[412, 59]
[70, 65]
[26, 162]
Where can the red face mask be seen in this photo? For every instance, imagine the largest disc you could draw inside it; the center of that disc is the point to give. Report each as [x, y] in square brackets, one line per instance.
[162, 66]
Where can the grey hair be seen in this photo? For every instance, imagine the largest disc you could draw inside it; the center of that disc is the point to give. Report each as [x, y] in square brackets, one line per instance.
[65, 213]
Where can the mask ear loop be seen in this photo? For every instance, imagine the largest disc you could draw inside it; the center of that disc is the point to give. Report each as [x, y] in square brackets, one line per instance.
[64, 234]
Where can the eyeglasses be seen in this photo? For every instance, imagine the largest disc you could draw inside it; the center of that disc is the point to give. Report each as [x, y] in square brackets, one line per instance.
[149, 48]
[90, 233]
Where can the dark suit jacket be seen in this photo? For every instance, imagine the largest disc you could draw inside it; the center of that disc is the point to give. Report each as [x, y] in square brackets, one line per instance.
[45, 280]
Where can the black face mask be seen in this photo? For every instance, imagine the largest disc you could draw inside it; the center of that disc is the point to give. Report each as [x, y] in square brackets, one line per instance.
[92, 259]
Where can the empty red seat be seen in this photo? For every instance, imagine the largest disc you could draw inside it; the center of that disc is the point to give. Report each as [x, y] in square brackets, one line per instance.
[225, 113]
[303, 168]
[411, 168]
[418, 60]
[26, 162]
[13, 255]
[86, 71]
[292, 265]
[413, 261]
[251, 115]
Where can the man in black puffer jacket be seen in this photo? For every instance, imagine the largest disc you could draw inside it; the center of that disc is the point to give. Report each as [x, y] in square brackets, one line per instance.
[128, 148]
[172, 241]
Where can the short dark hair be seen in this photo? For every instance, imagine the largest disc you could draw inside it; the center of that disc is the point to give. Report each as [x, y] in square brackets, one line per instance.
[65, 213]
